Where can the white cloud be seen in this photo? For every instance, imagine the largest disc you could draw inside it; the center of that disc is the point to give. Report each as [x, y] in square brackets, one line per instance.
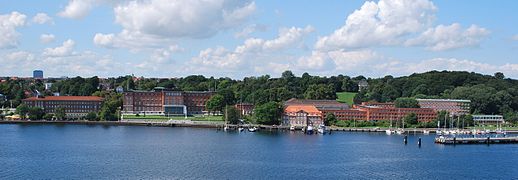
[515, 37]
[42, 18]
[382, 23]
[67, 49]
[47, 38]
[8, 24]
[186, 18]
[449, 37]
[77, 9]
[249, 30]
[134, 41]
[254, 51]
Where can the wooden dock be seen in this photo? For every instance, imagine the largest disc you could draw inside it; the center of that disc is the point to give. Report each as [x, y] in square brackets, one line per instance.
[476, 140]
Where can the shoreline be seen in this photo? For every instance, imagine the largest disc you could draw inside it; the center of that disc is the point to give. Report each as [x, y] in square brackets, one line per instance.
[204, 124]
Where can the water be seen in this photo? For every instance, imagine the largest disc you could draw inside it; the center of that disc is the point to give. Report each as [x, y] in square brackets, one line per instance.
[123, 152]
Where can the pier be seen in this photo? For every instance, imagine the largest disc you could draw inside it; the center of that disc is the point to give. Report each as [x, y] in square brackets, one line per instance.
[476, 140]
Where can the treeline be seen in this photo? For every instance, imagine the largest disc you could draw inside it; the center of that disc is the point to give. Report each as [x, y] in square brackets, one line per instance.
[490, 94]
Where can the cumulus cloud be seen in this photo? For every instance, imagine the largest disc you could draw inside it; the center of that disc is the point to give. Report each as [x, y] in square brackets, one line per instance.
[449, 37]
[382, 23]
[47, 38]
[66, 49]
[253, 50]
[77, 9]
[8, 25]
[134, 41]
[185, 18]
[42, 18]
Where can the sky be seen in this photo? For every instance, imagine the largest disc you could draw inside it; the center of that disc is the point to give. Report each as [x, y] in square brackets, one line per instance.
[238, 38]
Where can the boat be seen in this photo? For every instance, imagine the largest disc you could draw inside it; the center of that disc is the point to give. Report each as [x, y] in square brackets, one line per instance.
[426, 132]
[240, 129]
[400, 131]
[292, 128]
[321, 129]
[226, 128]
[252, 129]
[389, 131]
[309, 129]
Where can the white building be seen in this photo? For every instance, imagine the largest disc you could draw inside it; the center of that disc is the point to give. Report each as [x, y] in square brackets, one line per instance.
[488, 119]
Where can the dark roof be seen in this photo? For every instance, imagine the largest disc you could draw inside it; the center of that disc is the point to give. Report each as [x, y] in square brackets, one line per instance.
[65, 98]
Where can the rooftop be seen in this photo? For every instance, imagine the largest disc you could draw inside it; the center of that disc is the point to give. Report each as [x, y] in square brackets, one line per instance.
[305, 108]
[65, 98]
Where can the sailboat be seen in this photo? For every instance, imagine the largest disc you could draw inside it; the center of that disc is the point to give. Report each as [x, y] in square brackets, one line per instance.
[390, 131]
[226, 128]
[321, 129]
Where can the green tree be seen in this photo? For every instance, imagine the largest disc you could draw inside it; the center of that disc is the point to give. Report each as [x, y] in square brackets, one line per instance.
[330, 119]
[232, 113]
[268, 113]
[48, 117]
[22, 110]
[320, 91]
[499, 75]
[215, 103]
[109, 111]
[60, 113]
[91, 116]
[406, 103]
[410, 119]
[36, 113]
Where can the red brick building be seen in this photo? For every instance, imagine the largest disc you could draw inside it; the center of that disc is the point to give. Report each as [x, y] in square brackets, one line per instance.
[166, 102]
[74, 106]
[245, 108]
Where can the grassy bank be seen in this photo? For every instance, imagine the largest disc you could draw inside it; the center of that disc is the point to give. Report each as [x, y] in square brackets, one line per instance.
[345, 97]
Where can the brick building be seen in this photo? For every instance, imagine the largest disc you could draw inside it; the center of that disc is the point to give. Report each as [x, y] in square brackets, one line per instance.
[245, 108]
[165, 102]
[453, 106]
[302, 115]
[74, 106]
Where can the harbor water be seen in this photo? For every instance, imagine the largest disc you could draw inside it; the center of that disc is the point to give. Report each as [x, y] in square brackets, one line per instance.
[137, 152]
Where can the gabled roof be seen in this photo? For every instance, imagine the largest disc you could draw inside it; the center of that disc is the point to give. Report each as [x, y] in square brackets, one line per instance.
[65, 98]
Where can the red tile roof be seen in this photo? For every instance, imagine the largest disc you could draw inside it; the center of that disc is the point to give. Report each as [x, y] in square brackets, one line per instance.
[65, 98]
[305, 108]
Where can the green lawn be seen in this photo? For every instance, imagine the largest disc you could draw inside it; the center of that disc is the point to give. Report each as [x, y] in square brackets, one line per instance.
[345, 97]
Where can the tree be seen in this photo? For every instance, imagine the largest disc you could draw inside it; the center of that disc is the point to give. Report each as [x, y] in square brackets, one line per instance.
[268, 113]
[406, 103]
[330, 119]
[215, 103]
[228, 96]
[48, 117]
[410, 119]
[109, 111]
[60, 113]
[232, 113]
[499, 75]
[91, 116]
[22, 110]
[320, 91]
[36, 113]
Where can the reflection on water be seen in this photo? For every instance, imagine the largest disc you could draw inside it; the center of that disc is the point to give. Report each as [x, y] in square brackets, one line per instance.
[125, 152]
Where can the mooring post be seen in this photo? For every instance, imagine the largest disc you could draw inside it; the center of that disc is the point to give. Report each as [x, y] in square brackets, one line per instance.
[454, 140]
[487, 140]
[419, 142]
[405, 139]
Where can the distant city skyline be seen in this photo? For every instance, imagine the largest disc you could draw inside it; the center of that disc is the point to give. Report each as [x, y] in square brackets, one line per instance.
[233, 38]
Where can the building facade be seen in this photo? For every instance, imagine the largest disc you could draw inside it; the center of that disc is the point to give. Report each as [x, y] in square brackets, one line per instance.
[453, 106]
[74, 106]
[302, 115]
[488, 119]
[166, 102]
[245, 108]
[37, 74]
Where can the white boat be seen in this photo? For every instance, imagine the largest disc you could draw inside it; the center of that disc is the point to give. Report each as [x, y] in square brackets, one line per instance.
[426, 132]
[321, 129]
[240, 129]
[389, 132]
[292, 128]
[252, 129]
[309, 129]
[225, 128]
[400, 131]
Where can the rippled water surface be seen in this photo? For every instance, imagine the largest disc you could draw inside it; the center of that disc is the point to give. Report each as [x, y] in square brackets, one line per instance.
[123, 152]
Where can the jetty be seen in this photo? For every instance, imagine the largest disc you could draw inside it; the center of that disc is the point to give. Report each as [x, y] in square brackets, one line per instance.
[476, 140]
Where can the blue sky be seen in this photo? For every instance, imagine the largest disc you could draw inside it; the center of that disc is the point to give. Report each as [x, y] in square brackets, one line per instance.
[174, 38]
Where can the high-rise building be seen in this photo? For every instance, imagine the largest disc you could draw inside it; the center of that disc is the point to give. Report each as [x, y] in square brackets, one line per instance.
[37, 74]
